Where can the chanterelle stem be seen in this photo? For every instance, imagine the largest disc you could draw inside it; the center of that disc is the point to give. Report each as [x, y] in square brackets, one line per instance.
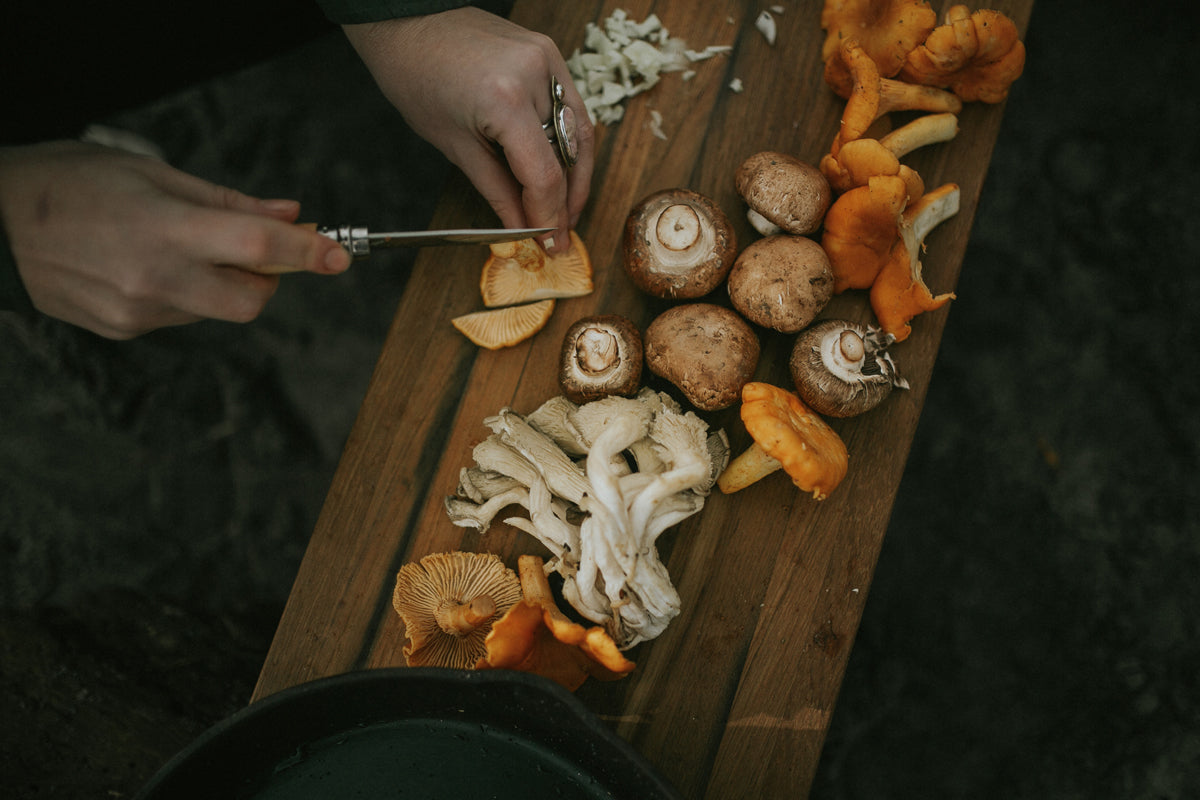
[460, 619]
[751, 466]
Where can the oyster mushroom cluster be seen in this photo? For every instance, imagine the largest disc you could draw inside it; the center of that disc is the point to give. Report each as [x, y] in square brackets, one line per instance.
[599, 483]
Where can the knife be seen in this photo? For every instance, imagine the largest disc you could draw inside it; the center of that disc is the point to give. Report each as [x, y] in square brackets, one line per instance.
[359, 241]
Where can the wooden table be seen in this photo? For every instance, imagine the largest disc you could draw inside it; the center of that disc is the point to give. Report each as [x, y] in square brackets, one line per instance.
[734, 699]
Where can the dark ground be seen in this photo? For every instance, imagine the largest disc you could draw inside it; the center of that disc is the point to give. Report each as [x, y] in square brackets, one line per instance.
[1032, 627]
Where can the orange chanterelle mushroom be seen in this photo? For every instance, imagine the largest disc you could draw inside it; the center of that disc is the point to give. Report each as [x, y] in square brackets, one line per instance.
[977, 55]
[535, 636]
[787, 435]
[448, 602]
[522, 271]
[887, 29]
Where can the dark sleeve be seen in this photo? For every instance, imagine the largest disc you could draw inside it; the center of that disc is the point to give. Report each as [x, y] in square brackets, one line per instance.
[349, 12]
[13, 296]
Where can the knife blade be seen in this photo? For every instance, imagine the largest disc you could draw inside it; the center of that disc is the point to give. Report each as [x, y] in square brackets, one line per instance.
[359, 241]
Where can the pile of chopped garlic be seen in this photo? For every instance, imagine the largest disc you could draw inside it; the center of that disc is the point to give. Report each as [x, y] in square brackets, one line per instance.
[624, 58]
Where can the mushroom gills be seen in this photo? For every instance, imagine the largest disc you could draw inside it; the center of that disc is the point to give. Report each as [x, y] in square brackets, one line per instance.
[842, 369]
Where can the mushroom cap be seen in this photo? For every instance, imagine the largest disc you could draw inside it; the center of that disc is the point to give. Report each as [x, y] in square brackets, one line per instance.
[601, 356]
[435, 597]
[707, 351]
[522, 271]
[781, 282]
[977, 55]
[842, 369]
[504, 327]
[861, 228]
[535, 636]
[678, 244]
[887, 29]
[811, 452]
[790, 193]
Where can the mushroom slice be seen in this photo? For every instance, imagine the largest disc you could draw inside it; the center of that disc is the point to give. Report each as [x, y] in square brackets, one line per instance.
[447, 602]
[781, 282]
[521, 271]
[678, 244]
[783, 193]
[601, 356]
[707, 351]
[788, 435]
[535, 636]
[841, 368]
[504, 327]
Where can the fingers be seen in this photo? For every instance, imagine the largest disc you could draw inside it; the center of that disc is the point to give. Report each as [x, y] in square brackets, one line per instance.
[252, 242]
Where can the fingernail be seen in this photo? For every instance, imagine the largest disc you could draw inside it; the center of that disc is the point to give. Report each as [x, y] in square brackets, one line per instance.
[280, 205]
[337, 260]
[548, 243]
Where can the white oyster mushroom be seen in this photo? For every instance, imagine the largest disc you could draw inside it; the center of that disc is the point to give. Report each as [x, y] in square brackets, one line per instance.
[648, 466]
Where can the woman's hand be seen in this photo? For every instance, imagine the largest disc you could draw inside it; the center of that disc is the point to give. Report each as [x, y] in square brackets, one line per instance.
[122, 244]
[478, 88]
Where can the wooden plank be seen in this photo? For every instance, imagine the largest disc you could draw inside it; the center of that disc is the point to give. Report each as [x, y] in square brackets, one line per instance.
[735, 698]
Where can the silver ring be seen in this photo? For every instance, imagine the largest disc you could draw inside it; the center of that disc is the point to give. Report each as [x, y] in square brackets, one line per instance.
[560, 128]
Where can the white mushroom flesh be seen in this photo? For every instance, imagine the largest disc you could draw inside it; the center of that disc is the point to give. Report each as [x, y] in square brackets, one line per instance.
[682, 237]
[600, 517]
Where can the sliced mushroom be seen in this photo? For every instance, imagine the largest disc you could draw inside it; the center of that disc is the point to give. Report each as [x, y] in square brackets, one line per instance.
[707, 351]
[601, 356]
[781, 282]
[522, 271]
[783, 193]
[448, 601]
[842, 369]
[504, 327]
[678, 244]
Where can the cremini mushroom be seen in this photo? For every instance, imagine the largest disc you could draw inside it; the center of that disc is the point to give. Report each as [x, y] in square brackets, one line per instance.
[522, 271]
[787, 435]
[447, 602]
[706, 351]
[536, 636]
[601, 355]
[781, 282]
[977, 55]
[678, 244]
[899, 292]
[783, 193]
[841, 368]
[887, 29]
[504, 327]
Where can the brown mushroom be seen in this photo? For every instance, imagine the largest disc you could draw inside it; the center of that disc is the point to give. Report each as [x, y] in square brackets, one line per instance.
[707, 351]
[789, 436]
[842, 369]
[447, 602]
[678, 244]
[781, 282]
[783, 193]
[522, 271]
[535, 636]
[601, 356]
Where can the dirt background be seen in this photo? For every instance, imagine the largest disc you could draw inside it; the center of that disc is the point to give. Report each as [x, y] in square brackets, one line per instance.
[1031, 630]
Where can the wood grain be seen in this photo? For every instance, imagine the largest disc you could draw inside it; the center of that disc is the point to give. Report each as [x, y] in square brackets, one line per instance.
[734, 699]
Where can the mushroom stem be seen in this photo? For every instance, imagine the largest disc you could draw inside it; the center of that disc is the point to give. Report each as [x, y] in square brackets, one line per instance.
[459, 619]
[535, 586]
[924, 130]
[750, 467]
